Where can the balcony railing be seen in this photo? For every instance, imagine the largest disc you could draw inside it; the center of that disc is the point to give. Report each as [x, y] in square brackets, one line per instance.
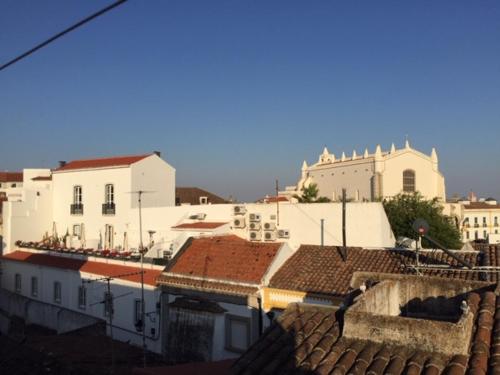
[108, 208]
[76, 209]
[476, 225]
[485, 225]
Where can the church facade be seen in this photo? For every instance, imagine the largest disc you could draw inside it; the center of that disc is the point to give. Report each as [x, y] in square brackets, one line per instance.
[369, 177]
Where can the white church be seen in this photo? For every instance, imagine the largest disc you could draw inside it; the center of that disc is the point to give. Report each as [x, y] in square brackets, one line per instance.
[373, 176]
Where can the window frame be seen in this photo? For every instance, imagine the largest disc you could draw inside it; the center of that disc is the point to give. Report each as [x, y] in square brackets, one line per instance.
[82, 301]
[228, 345]
[57, 292]
[77, 195]
[109, 194]
[18, 283]
[137, 311]
[34, 286]
[409, 187]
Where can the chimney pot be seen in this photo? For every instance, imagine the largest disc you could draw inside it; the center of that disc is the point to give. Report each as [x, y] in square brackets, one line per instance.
[62, 163]
[158, 153]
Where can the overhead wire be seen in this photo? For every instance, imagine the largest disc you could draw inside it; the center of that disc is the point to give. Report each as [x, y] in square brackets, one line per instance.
[62, 33]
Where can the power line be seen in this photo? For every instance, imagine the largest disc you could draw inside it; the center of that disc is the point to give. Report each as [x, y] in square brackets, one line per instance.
[58, 35]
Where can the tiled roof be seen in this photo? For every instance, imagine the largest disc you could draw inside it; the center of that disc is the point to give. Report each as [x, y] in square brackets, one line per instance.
[42, 178]
[227, 258]
[11, 176]
[199, 225]
[307, 339]
[480, 205]
[273, 199]
[322, 270]
[116, 161]
[196, 368]
[96, 268]
[191, 195]
[204, 285]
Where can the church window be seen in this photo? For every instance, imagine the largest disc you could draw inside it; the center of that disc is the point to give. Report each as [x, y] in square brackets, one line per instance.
[408, 181]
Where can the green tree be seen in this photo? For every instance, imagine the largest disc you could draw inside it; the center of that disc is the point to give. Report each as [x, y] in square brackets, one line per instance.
[310, 195]
[403, 209]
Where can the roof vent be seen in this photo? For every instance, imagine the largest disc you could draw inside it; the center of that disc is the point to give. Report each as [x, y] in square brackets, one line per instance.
[62, 163]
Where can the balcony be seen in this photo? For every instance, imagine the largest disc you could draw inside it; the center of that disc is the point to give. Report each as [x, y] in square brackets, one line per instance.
[76, 209]
[476, 225]
[485, 225]
[496, 224]
[108, 208]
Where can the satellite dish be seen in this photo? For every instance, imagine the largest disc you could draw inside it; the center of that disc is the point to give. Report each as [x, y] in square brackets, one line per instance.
[420, 226]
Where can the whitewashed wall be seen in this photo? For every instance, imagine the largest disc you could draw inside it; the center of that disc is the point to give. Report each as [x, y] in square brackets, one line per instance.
[125, 291]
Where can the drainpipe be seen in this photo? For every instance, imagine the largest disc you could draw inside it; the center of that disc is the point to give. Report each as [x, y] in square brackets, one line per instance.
[322, 232]
[261, 329]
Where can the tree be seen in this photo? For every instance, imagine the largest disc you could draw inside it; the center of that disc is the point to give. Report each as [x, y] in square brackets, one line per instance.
[310, 195]
[403, 209]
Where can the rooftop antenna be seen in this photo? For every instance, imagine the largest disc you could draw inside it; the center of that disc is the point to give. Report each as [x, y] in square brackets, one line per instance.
[142, 250]
[108, 305]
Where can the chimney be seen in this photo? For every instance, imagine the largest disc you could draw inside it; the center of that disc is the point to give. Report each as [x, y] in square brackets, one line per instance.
[158, 153]
[62, 163]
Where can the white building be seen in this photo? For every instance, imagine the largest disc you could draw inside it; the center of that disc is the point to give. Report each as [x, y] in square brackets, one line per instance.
[368, 177]
[66, 292]
[481, 221]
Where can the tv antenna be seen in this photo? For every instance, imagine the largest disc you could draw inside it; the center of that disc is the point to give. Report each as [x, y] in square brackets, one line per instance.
[108, 302]
[142, 251]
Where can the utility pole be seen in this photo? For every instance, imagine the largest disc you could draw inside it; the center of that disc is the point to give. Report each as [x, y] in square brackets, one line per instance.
[108, 302]
[143, 311]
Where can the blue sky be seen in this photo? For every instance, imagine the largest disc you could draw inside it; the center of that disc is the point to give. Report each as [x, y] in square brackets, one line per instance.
[238, 93]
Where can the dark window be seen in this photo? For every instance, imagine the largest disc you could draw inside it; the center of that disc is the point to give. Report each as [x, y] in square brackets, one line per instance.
[34, 286]
[82, 297]
[137, 313]
[17, 282]
[409, 181]
[57, 292]
[237, 333]
[108, 303]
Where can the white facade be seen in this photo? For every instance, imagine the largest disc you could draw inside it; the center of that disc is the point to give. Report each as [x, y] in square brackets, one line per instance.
[125, 294]
[369, 177]
[481, 221]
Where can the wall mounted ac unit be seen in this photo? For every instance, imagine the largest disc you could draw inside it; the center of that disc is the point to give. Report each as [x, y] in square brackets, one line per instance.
[269, 226]
[239, 222]
[255, 217]
[255, 235]
[239, 210]
[283, 233]
[254, 225]
[270, 236]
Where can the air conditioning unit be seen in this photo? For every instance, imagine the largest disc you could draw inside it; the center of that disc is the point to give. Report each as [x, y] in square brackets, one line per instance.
[255, 235]
[270, 236]
[239, 210]
[283, 233]
[254, 225]
[269, 226]
[255, 217]
[239, 222]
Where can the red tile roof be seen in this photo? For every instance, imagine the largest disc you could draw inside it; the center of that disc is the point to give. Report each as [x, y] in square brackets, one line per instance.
[307, 339]
[204, 285]
[11, 176]
[102, 162]
[322, 270]
[96, 268]
[480, 206]
[42, 178]
[192, 195]
[195, 368]
[225, 258]
[199, 225]
[273, 199]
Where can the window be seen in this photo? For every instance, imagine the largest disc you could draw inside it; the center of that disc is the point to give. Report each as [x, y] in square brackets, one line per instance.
[485, 234]
[108, 304]
[57, 292]
[13, 185]
[467, 235]
[34, 286]
[82, 297]
[496, 221]
[77, 194]
[408, 181]
[137, 313]
[476, 235]
[77, 230]
[109, 191]
[203, 200]
[17, 283]
[484, 221]
[237, 333]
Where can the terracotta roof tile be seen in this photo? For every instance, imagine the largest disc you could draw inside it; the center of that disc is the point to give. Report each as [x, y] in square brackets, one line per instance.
[96, 268]
[322, 270]
[11, 176]
[227, 258]
[42, 178]
[204, 285]
[199, 225]
[115, 161]
[304, 340]
[480, 205]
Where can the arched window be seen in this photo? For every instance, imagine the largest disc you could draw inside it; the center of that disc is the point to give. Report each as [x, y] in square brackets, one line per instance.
[408, 181]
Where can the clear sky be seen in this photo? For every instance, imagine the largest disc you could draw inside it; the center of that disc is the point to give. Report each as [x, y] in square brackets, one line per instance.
[238, 93]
